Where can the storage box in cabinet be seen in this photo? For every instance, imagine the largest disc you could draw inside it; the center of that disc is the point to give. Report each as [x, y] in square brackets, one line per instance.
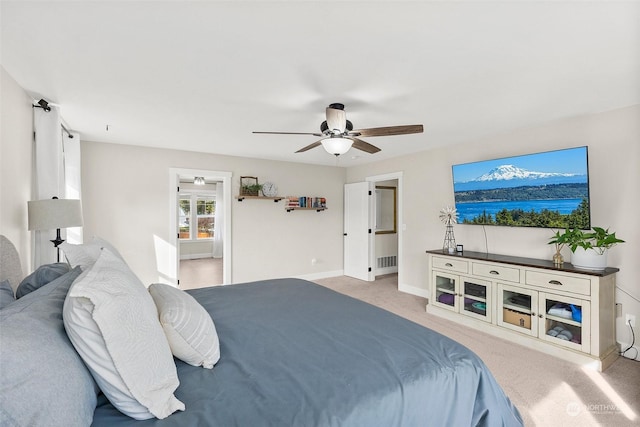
[516, 318]
[496, 272]
[558, 282]
[451, 264]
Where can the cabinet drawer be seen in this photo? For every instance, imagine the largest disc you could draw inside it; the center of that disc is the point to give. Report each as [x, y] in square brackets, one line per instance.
[558, 282]
[450, 264]
[496, 272]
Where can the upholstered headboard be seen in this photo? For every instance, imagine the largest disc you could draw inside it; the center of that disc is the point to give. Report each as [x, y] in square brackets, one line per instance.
[10, 267]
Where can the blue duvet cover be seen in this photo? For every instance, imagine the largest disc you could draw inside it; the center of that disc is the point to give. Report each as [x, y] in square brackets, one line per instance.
[294, 353]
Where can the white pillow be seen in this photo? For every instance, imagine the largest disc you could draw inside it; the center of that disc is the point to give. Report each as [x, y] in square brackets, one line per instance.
[86, 254]
[113, 324]
[189, 328]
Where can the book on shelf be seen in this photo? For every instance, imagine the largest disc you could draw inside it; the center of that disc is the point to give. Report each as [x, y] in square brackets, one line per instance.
[306, 202]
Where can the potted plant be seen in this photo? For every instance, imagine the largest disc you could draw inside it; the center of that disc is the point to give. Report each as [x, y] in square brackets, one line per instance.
[559, 240]
[251, 190]
[589, 248]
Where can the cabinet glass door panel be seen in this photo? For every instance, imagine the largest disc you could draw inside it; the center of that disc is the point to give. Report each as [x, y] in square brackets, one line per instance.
[445, 289]
[565, 321]
[476, 298]
[517, 309]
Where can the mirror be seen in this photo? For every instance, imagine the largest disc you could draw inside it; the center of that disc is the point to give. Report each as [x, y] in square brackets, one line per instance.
[385, 210]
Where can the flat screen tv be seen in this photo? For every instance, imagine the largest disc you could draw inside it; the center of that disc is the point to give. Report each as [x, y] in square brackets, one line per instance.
[548, 190]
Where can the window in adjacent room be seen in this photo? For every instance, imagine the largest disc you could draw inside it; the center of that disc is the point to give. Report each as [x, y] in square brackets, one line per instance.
[196, 216]
[205, 210]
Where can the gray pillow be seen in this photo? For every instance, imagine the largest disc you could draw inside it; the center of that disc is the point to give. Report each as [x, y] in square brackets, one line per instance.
[6, 294]
[42, 378]
[10, 268]
[44, 274]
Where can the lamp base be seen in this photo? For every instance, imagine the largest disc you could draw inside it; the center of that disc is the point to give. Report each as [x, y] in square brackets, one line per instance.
[57, 242]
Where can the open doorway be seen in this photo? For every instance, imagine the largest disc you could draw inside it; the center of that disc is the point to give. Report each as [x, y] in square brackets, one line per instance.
[199, 233]
[201, 224]
[388, 226]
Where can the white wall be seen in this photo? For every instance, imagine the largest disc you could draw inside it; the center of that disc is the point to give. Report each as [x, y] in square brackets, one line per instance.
[126, 201]
[613, 139]
[16, 148]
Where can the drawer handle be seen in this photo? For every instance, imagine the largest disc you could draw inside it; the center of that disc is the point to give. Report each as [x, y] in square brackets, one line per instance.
[448, 264]
[494, 272]
[555, 282]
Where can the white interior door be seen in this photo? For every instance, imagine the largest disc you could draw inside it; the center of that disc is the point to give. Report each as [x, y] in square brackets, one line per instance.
[358, 230]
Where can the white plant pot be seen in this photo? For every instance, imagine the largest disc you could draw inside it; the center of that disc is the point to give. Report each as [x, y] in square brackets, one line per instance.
[589, 259]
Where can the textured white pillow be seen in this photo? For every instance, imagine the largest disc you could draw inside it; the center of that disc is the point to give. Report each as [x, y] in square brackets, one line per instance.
[189, 328]
[112, 322]
[86, 254]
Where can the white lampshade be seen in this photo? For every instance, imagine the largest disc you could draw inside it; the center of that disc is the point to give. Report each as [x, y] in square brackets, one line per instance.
[50, 214]
[337, 146]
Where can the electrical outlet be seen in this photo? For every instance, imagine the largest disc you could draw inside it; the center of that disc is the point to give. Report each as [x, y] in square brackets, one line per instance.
[630, 319]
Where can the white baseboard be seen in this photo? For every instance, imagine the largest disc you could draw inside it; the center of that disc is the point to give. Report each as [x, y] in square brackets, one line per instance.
[386, 270]
[196, 256]
[321, 275]
[633, 351]
[403, 287]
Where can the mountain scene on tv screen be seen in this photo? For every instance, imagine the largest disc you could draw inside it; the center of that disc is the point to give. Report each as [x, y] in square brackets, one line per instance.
[514, 196]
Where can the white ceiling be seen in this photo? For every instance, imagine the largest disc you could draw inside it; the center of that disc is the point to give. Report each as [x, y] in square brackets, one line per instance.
[202, 75]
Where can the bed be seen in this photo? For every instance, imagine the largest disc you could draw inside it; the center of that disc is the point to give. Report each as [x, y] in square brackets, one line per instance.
[294, 353]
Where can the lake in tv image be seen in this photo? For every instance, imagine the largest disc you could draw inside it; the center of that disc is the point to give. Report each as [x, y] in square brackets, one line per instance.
[549, 189]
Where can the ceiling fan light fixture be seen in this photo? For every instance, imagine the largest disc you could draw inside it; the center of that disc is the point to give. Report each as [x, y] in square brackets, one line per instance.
[337, 146]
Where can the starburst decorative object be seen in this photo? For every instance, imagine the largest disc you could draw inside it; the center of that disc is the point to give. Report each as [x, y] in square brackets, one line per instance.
[449, 216]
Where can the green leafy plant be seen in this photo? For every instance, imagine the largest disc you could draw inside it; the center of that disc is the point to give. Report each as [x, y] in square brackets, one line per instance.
[598, 239]
[251, 189]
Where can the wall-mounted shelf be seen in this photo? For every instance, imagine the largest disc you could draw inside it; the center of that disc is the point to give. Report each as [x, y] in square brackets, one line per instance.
[304, 203]
[293, 208]
[275, 199]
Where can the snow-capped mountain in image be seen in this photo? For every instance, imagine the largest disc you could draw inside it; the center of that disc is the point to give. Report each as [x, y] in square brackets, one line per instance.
[507, 172]
[506, 176]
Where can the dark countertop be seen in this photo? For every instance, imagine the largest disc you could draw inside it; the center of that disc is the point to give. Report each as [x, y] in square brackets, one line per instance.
[526, 262]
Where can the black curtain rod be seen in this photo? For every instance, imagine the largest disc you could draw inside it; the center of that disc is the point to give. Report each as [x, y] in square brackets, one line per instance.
[45, 106]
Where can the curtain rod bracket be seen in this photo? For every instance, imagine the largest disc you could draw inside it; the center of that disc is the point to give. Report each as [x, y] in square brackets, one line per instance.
[45, 106]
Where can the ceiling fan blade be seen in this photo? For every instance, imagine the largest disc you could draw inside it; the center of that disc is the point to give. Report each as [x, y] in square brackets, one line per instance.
[388, 131]
[364, 146]
[309, 147]
[336, 119]
[290, 133]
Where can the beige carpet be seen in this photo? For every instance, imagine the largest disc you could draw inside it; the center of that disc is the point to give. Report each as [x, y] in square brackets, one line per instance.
[198, 273]
[547, 391]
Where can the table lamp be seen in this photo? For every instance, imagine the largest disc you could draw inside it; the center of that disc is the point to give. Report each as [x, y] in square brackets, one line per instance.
[54, 213]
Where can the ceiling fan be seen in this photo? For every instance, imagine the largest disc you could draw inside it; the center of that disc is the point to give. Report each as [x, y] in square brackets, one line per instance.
[338, 135]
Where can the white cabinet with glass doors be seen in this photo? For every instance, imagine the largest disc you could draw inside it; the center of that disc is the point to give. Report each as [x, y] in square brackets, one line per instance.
[462, 294]
[562, 311]
[559, 319]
